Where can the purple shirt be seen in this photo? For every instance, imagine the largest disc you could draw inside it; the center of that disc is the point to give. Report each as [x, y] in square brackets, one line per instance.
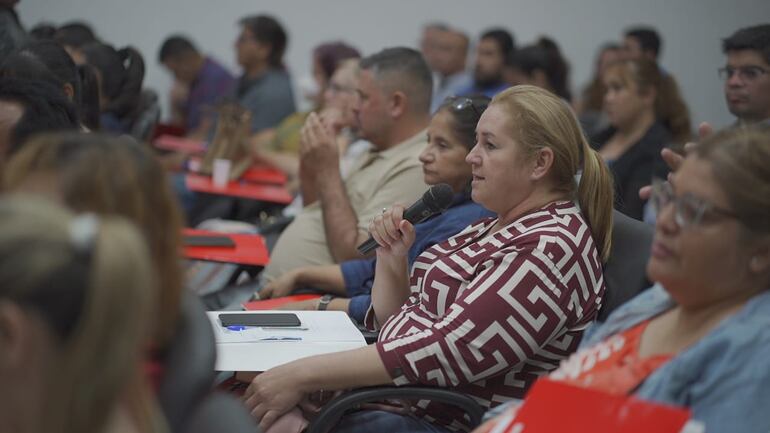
[212, 84]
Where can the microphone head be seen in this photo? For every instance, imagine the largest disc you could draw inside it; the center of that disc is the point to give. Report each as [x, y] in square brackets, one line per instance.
[438, 197]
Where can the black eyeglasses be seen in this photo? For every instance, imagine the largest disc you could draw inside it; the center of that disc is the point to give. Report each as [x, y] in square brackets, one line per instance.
[689, 210]
[745, 73]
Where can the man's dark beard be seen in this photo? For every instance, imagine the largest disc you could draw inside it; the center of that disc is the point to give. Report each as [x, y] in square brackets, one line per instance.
[485, 81]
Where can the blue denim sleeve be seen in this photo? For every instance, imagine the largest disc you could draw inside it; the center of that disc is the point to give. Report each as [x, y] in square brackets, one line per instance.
[358, 276]
[358, 307]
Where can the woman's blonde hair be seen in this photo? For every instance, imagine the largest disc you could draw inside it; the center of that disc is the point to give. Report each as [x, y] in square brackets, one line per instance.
[90, 280]
[540, 119]
[114, 176]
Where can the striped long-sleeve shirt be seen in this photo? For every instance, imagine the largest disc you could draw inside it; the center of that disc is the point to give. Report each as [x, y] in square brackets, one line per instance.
[489, 313]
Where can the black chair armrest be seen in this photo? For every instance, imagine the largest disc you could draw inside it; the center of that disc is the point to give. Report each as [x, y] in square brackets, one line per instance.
[335, 409]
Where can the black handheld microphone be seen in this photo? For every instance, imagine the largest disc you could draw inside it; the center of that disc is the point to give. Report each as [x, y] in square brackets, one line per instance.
[435, 200]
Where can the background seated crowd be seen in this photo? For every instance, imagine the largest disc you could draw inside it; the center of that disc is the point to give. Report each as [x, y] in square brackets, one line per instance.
[501, 290]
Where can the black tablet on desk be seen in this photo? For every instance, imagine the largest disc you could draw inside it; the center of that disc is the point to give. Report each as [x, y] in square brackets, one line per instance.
[208, 241]
[260, 320]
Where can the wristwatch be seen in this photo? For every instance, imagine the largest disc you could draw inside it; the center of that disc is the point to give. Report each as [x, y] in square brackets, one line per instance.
[323, 303]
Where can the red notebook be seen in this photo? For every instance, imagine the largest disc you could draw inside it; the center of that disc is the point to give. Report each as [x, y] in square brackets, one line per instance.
[555, 407]
[272, 304]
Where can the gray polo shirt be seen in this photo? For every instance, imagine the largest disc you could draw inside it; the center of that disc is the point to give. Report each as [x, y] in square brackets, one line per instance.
[268, 97]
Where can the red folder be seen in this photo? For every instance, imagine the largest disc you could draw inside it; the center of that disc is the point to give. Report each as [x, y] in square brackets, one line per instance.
[272, 304]
[258, 173]
[253, 191]
[248, 250]
[180, 144]
[555, 407]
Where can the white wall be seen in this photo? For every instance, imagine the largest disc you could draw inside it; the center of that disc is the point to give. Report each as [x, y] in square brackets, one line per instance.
[692, 29]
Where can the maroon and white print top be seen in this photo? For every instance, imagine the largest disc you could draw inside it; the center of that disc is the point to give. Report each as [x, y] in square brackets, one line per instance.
[489, 313]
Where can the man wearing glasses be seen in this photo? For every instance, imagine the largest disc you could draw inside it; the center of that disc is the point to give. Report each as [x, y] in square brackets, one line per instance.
[747, 74]
[747, 88]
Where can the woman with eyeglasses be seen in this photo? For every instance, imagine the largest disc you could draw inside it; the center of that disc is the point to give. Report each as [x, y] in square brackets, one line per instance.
[451, 135]
[646, 114]
[699, 338]
[72, 292]
[495, 306]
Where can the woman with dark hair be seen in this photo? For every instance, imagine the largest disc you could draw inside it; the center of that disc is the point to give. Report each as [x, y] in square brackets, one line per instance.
[326, 58]
[42, 32]
[540, 65]
[73, 36]
[48, 61]
[451, 135]
[589, 106]
[646, 114]
[120, 74]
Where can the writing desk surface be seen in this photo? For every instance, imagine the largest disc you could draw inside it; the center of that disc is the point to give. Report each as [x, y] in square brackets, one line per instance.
[327, 332]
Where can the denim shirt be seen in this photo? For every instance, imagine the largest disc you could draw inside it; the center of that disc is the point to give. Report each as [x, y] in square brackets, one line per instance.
[724, 378]
[359, 274]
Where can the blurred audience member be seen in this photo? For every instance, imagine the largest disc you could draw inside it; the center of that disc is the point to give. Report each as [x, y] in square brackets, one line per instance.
[698, 338]
[451, 135]
[29, 107]
[112, 176]
[540, 65]
[75, 304]
[265, 87]
[73, 36]
[431, 32]
[392, 112]
[43, 32]
[326, 58]
[642, 43]
[12, 34]
[200, 82]
[646, 114]
[493, 48]
[747, 74]
[280, 146]
[48, 61]
[120, 74]
[590, 105]
[450, 76]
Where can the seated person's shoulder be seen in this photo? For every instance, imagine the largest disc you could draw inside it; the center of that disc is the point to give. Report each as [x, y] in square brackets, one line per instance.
[278, 77]
[742, 338]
